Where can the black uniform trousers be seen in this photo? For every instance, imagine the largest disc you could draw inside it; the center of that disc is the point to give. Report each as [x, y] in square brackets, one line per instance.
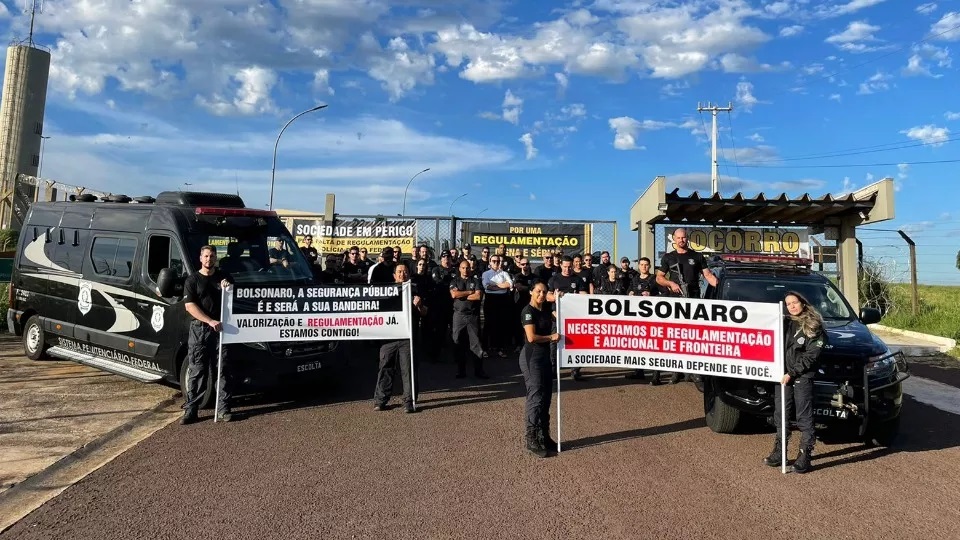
[202, 345]
[498, 313]
[466, 341]
[536, 370]
[799, 396]
[393, 355]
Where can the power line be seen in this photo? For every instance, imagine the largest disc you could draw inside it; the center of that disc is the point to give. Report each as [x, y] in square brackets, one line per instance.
[859, 151]
[894, 164]
[733, 142]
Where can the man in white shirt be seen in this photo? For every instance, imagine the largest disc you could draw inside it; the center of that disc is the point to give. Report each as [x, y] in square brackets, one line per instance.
[498, 314]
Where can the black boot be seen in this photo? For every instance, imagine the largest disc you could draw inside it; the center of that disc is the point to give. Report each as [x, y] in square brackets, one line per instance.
[802, 463]
[189, 417]
[548, 443]
[775, 459]
[535, 443]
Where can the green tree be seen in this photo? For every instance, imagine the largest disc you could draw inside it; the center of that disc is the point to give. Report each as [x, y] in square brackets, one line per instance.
[958, 260]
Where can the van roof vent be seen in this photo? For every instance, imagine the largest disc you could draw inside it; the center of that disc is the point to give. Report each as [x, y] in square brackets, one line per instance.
[84, 197]
[146, 199]
[116, 198]
[193, 198]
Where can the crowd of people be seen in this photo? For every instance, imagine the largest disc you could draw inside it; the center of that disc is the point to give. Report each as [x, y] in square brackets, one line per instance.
[476, 302]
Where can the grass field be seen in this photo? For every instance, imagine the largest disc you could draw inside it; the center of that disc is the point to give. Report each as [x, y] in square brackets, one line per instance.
[939, 312]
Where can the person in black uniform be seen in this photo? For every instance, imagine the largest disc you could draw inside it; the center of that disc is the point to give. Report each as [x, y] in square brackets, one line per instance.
[467, 293]
[278, 254]
[613, 284]
[560, 284]
[382, 272]
[202, 294]
[546, 270]
[600, 270]
[644, 284]
[394, 354]
[441, 308]
[626, 274]
[331, 273]
[585, 274]
[310, 253]
[539, 332]
[506, 262]
[353, 268]
[523, 282]
[804, 340]
[423, 283]
[683, 265]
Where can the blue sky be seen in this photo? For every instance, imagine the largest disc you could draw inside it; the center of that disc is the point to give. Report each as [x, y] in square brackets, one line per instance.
[536, 109]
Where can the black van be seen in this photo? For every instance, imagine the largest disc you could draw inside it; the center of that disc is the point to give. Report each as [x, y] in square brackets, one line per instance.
[101, 282]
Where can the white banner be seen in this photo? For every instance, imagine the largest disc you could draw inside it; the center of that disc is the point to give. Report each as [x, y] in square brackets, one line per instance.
[791, 242]
[742, 340]
[260, 314]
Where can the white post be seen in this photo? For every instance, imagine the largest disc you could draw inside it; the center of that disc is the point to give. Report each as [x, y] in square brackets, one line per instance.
[408, 307]
[783, 401]
[715, 165]
[559, 357]
[223, 309]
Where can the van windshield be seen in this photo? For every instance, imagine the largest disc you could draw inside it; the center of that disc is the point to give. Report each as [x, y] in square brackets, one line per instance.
[822, 295]
[252, 252]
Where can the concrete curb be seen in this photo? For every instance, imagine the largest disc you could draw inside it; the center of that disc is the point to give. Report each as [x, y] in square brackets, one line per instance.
[25, 497]
[944, 344]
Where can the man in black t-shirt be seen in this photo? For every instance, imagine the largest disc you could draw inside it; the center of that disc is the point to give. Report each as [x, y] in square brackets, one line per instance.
[202, 295]
[566, 282]
[600, 270]
[683, 266]
[467, 293]
[382, 272]
[523, 282]
[441, 307]
[354, 269]
[310, 252]
[278, 253]
[546, 270]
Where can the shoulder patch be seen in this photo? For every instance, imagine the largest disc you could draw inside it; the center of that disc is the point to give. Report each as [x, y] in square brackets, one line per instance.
[527, 317]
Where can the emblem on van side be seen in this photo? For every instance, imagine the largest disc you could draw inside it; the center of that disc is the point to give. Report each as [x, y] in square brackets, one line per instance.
[85, 298]
[157, 319]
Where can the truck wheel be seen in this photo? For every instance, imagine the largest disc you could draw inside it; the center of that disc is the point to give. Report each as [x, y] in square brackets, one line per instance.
[720, 417]
[883, 434]
[34, 339]
[206, 400]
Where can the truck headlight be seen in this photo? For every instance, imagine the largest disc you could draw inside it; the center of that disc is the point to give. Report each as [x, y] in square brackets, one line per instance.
[882, 365]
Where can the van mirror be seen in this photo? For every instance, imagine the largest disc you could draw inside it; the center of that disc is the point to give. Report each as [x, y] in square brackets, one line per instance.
[166, 283]
[869, 315]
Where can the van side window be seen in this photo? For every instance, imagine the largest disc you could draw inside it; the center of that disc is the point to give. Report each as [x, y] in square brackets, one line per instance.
[162, 253]
[69, 254]
[112, 256]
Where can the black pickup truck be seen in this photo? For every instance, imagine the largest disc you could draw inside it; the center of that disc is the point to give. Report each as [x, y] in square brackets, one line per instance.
[858, 386]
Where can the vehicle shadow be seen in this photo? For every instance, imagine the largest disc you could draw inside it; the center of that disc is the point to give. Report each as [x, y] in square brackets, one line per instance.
[597, 440]
[925, 429]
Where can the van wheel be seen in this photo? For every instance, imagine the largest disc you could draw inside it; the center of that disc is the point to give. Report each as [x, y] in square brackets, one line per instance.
[34, 339]
[206, 400]
[720, 417]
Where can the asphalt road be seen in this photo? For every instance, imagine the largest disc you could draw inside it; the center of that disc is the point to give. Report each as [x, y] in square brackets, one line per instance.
[639, 462]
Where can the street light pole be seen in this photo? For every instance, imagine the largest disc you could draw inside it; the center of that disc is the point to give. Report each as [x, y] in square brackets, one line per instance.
[404, 211]
[273, 170]
[482, 211]
[454, 201]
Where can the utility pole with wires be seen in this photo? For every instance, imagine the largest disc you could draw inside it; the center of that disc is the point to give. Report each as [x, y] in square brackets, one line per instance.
[715, 167]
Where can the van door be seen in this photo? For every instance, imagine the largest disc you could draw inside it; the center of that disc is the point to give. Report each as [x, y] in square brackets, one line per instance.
[163, 321]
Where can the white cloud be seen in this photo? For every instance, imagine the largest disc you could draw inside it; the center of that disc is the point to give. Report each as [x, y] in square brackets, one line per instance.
[735, 63]
[790, 31]
[365, 161]
[951, 115]
[926, 9]
[527, 140]
[928, 134]
[512, 107]
[574, 110]
[533, 197]
[919, 226]
[924, 55]
[321, 82]
[946, 28]
[756, 137]
[699, 181]
[903, 170]
[563, 82]
[855, 38]
[399, 69]
[761, 154]
[745, 96]
[845, 9]
[674, 89]
[625, 133]
[878, 82]
[251, 95]
[835, 97]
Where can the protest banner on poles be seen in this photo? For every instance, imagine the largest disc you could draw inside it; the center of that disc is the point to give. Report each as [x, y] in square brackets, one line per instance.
[262, 314]
[742, 340]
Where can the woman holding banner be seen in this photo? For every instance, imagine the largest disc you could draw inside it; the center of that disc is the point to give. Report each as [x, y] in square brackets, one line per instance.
[804, 340]
[537, 321]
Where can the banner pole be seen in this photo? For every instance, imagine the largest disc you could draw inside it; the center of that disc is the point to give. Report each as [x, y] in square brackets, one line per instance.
[559, 361]
[783, 400]
[408, 307]
[223, 310]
